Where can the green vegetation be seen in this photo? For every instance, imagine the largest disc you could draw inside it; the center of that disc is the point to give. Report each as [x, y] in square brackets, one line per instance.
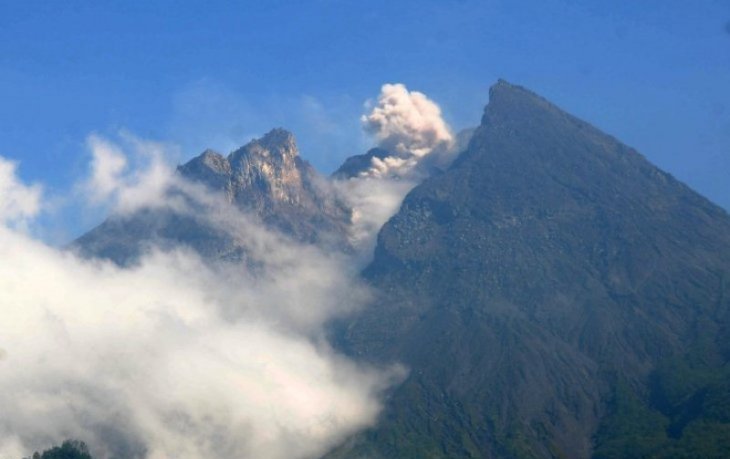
[686, 414]
[70, 449]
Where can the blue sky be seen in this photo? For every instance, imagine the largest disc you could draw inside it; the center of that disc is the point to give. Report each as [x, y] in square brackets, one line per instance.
[655, 74]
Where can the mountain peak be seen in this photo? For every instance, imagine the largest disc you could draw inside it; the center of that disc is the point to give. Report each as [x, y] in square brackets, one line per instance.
[214, 160]
[210, 168]
[278, 137]
[503, 88]
[509, 101]
[277, 144]
[270, 165]
[267, 176]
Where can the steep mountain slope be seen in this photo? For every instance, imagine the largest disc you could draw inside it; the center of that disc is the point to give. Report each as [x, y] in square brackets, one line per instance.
[542, 291]
[265, 178]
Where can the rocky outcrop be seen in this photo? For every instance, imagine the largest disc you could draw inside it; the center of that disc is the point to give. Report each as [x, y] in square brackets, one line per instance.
[266, 178]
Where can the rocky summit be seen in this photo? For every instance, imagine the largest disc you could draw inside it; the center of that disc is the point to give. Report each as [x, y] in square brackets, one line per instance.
[269, 178]
[265, 178]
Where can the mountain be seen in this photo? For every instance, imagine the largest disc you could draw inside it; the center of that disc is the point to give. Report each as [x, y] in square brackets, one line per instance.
[266, 178]
[554, 295]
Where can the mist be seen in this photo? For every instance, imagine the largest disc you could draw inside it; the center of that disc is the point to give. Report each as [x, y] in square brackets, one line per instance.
[174, 357]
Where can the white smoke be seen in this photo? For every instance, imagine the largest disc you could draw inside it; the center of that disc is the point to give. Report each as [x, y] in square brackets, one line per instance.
[409, 125]
[174, 358]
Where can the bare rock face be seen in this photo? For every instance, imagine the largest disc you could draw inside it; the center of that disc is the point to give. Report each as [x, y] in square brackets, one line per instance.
[266, 178]
[271, 168]
[269, 178]
[210, 168]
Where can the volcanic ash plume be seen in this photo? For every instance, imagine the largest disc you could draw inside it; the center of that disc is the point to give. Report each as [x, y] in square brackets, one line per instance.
[409, 125]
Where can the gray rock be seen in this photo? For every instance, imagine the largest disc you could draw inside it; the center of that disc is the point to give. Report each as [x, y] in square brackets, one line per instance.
[265, 178]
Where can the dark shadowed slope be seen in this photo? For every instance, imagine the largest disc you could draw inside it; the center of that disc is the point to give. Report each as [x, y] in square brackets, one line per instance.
[554, 295]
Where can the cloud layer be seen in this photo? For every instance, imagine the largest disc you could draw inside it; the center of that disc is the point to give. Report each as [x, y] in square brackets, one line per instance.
[174, 358]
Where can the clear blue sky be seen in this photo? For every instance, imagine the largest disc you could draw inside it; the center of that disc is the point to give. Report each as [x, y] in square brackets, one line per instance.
[654, 73]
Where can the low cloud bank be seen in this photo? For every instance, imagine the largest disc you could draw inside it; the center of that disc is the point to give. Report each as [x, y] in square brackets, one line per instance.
[174, 358]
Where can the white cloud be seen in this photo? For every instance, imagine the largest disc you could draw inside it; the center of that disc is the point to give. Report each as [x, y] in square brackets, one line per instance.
[127, 175]
[107, 166]
[373, 199]
[174, 358]
[18, 202]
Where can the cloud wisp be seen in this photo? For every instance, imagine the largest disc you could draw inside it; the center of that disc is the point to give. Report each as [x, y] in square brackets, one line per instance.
[19, 202]
[127, 175]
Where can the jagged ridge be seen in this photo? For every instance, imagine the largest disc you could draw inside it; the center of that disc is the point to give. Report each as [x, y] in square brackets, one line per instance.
[265, 178]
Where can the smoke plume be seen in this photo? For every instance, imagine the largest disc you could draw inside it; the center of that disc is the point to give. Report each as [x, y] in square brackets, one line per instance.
[413, 137]
[409, 125]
